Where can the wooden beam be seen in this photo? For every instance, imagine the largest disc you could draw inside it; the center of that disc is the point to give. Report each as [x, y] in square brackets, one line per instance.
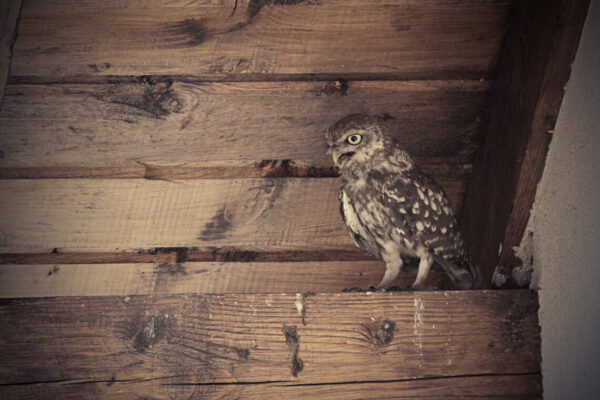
[503, 387]
[406, 39]
[284, 340]
[11, 10]
[45, 280]
[533, 69]
[114, 215]
[163, 130]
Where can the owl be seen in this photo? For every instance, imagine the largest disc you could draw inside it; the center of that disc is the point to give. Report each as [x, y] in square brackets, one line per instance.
[390, 208]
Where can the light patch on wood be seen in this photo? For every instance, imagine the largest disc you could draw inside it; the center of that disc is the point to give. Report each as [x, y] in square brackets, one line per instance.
[299, 303]
[417, 325]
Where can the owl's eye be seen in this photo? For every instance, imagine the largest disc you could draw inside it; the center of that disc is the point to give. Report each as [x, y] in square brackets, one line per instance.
[354, 139]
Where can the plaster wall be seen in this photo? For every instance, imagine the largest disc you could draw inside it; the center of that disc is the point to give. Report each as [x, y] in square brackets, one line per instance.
[565, 223]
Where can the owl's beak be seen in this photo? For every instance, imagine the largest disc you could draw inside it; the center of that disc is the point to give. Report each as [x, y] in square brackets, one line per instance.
[340, 158]
[336, 157]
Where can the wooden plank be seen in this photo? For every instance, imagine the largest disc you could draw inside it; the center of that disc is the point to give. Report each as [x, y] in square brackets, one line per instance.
[405, 39]
[181, 278]
[302, 339]
[519, 387]
[534, 68]
[162, 130]
[183, 254]
[8, 33]
[45, 280]
[129, 214]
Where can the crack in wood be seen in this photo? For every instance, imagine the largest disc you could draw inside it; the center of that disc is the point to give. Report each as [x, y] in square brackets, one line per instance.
[288, 383]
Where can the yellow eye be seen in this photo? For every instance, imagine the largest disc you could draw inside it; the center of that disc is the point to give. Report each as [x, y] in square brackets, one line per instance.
[354, 139]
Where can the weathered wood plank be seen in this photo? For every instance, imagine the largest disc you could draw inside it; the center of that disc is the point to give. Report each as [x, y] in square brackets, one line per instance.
[8, 33]
[183, 254]
[129, 214]
[534, 67]
[406, 39]
[45, 280]
[162, 130]
[325, 338]
[503, 387]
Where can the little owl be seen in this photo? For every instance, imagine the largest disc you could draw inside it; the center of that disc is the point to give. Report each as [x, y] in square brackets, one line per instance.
[390, 208]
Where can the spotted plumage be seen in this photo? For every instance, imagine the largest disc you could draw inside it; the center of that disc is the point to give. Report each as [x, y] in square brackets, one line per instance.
[390, 208]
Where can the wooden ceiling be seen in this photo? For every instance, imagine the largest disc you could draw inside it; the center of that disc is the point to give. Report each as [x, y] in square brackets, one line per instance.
[160, 154]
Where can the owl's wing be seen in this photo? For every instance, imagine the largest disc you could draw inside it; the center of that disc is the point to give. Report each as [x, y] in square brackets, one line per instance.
[423, 210]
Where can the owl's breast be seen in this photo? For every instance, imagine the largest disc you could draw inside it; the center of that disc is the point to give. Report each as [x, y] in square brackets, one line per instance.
[360, 224]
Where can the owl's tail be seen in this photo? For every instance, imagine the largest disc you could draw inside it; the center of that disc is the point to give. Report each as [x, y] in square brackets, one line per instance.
[464, 275]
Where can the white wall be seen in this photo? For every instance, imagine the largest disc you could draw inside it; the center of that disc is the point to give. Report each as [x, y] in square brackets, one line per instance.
[566, 232]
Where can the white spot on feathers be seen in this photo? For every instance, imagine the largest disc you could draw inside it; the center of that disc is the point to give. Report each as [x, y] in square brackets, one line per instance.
[420, 226]
[402, 211]
[444, 230]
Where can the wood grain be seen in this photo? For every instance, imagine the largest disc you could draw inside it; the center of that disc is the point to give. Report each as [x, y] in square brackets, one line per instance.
[99, 215]
[46, 280]
[503, 387]
[162, 130]
[8, 33]
[534, 68]
[288, 339]
[406, 39]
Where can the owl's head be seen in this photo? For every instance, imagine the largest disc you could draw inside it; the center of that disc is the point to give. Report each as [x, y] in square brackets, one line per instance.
[355, 139]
